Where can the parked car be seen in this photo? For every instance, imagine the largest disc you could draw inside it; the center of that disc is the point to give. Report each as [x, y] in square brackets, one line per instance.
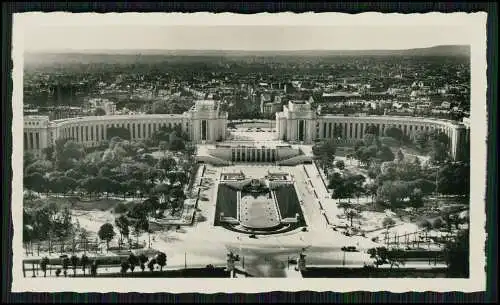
[350, 249]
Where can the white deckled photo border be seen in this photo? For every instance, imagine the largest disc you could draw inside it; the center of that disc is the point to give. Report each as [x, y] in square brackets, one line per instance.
[474, 34]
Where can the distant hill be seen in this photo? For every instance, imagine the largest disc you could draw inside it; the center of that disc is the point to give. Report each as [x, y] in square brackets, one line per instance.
[443, 50]
[124, 56]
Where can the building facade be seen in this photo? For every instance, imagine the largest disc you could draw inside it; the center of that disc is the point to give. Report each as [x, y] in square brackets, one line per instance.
[203, 123]
[299, 123]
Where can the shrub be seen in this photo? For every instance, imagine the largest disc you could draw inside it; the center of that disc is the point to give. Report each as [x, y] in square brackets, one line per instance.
[121, 208]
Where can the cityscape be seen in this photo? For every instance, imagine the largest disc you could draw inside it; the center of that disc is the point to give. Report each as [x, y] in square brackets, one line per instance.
[238, 164]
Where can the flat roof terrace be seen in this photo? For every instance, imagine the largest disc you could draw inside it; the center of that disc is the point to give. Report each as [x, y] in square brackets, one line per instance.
[269, 144]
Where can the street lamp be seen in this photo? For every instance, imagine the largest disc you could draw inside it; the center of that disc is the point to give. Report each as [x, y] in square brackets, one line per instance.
[343, 258]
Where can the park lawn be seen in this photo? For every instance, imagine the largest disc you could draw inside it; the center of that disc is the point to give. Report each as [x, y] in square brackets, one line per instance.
[100, 205]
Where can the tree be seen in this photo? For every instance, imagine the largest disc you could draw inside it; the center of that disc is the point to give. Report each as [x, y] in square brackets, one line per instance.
[67, 152]
[438, 136]
[177, 193]
[144, 224]
[400, 156]
[119, 132]
[99, 112]
[151, 264]
[190, 149]
[143, 259]
[334, 180]
[28, 158]
[74, 263]
[43, 265]
[343, 190]
[457, 255]
[388, 222]
[93, 268]
[123, 224]
[396, 257]
[351, 214]
[161, 259]
[374, 170]
[359, 144]
[416, 197]
[370, 139]
[137, 211]
[85, 261]
[168, 164]
[325, 152]
[35, 182]
[105, 172]
[420, 139]
[61, 223]
[380, 254]
[133, 261]
[124, 267]
[395, 133]
[163, 146]
[65, 264]
[385, 154]
[438, 223]
[345, 206]
[139, 227]
[39, 166]
[107, 233]
[393, 192]
[426, 224]
[348, 187]
[177, 145]
[438, 153]
[372, 129]
[371, 189]
[454, 179]
[424, 185]
[62, 184]
[340, 164]
[178, 176]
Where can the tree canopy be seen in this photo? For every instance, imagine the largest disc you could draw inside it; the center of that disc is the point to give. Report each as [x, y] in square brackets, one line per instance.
[457, 255]
[106, 233]
[99, 112]
[395, 133]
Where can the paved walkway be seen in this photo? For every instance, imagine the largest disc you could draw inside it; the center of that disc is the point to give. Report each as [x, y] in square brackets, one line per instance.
[328, 204]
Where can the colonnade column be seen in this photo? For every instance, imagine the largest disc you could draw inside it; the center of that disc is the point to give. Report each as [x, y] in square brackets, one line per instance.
[84, 134]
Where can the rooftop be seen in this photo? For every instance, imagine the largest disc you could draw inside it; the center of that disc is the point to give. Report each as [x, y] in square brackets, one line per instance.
[298, 101]
[204, 105]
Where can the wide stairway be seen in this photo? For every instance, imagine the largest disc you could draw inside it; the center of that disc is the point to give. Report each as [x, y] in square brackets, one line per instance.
[295, 160]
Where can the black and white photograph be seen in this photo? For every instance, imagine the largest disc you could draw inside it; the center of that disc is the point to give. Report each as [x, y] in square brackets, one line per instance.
[290, 151]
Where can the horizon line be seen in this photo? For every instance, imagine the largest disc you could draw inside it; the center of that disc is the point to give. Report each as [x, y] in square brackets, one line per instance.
[234, 50]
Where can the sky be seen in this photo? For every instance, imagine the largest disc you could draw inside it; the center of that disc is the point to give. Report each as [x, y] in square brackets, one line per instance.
[236, 38]
[49, 32]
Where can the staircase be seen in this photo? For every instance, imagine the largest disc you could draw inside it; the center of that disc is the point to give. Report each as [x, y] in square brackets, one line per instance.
[212, 160]
[295, 160]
